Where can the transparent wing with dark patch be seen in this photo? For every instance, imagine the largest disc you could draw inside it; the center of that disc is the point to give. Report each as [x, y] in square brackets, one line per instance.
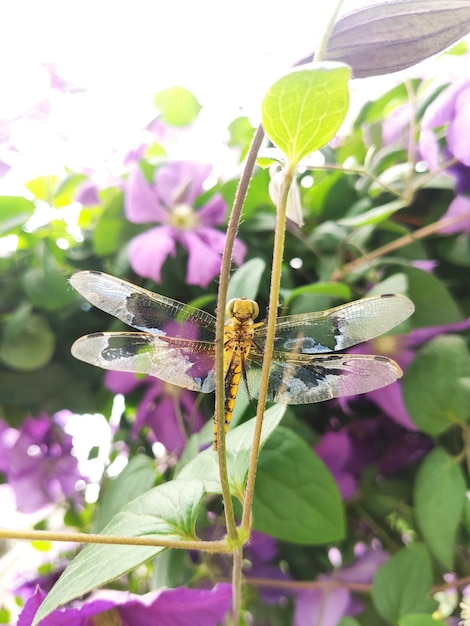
[340, 327]
[185, 363]
[298, 379]
[144, 309]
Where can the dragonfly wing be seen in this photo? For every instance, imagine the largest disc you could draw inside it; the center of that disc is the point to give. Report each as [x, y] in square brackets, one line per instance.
[321, 377]
[340, 327]
[144, 309]
[188, 364]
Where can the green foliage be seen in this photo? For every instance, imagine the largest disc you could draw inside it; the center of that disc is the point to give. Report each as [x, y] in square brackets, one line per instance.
[402, 584]
[168, 511]
[303, 110]
[177, 105]
[296, 498]
[439, 496]
[371, 213]
[434, 386]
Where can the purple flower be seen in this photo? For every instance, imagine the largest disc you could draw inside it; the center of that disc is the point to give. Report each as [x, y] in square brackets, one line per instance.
[449, 112]
[38, 462]
[169, 201]
[260, 553]
[169, 411]
[401, 348]
[327, 606]
[459, 209]
[334, 449]
[168, 607]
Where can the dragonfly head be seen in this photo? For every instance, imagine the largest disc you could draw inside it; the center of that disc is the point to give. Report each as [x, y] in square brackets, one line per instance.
[242, 309]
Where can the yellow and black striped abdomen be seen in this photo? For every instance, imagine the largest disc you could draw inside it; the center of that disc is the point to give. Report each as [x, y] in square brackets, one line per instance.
[238, 340]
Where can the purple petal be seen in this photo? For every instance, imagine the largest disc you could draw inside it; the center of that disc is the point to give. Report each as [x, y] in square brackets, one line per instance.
[169, 607]
[425, 265]
[213, 212]
[87, 194]
[390, 400]
[421, 335]
[141, 201]
[180, 182]
[4, 168]
[239, 252]
[262, 547]
[457, 138]
[459, 209]
[363, 570]
[121, 382]
[325, 607]
[205, 248]
[148, 251]
[334, 449]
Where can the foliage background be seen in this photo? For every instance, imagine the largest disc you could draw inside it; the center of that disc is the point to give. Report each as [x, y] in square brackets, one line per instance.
[402, 475]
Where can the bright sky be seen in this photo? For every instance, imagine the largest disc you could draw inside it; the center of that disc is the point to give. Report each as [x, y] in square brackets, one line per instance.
[121, 53]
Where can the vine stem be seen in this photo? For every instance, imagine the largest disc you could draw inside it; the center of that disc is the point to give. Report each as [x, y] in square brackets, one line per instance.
[48, 535]
[278, 255]
[322, 44]
[401, 242]
[232, 230]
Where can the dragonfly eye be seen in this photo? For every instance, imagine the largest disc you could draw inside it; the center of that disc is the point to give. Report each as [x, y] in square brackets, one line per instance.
[242, 309]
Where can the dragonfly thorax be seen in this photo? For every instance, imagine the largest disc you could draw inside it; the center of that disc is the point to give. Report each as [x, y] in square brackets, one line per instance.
[242, 309]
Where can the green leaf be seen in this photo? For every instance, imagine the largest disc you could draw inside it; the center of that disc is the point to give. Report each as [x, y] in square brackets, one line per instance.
[419, 619]
[433, 302]
[43, 188]
[296, 498]
[439, 497]
[334, 290]
[177, 105]
[108, 236]
[32, 348]
[303, 110]
[47, 288]
[168, 512]
[14, 212]
[434, 388]
[373, 216]
[239, 443]
[402, 584]
[136, 478]
[246, 280]
[348, 621]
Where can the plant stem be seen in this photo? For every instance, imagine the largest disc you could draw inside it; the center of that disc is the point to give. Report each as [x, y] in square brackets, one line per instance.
[232, 229]
[47, 535]
[320, 51]
[278, 254]
[401, 242]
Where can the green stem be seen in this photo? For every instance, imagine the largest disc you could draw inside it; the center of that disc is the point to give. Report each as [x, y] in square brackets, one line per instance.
[278, 255]
[237, 584]
[158, 542]
[232, 229]
[320, 51]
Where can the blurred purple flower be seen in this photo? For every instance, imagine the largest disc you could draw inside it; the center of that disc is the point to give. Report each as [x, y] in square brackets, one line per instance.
[459, 209]
[327, 606]
[260, 553]
[449, 113]
[168, 607]
[170, 412]
[169, 201]
[334, 449]
[381, 442]
[401, 348]
[38, 462]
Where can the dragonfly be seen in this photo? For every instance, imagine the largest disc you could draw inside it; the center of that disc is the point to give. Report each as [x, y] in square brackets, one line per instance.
[175, 342]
